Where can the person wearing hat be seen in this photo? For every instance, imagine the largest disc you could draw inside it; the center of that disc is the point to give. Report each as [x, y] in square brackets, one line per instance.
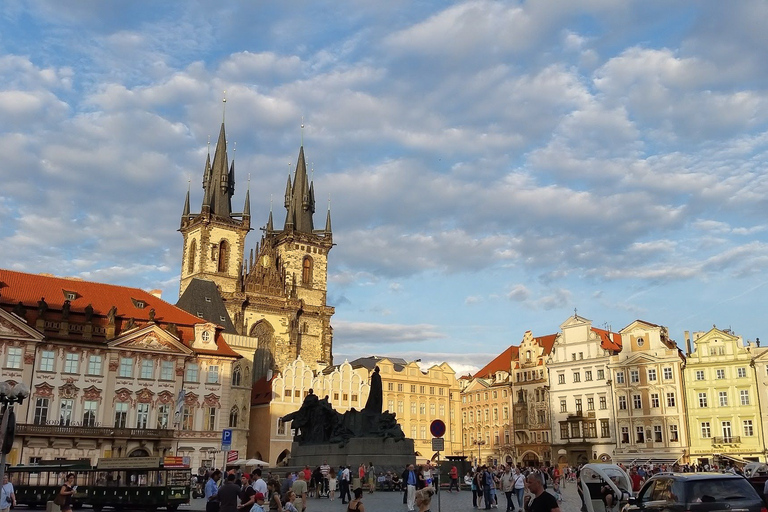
[259, 505]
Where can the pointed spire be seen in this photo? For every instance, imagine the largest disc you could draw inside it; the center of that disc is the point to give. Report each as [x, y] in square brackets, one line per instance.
[186, 202]
[247, 207]
[328, 230]
[219, 192]
[288, 190]
[300, 207]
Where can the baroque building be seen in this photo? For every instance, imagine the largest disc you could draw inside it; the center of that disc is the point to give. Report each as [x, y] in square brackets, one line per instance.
[486, 411]
[530, 395]
[583, 416]
[276, 295]
[115, 371]
[648, 387]
[722, 398]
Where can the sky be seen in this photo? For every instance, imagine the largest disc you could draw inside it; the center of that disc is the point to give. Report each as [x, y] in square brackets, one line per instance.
[491, 166]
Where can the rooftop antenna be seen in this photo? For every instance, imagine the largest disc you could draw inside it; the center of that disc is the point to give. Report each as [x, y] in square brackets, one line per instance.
[224, 108]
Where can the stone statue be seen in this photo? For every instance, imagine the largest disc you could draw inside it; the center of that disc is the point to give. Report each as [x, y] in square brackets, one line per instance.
[374, 404]
[111, 315]
[152, 315]
[88, 313]
[65, 310]
[314, 421]
[42, 307]
[20, 310]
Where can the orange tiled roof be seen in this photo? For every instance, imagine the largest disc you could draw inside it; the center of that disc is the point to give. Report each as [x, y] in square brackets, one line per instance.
[547, 342]
[28, 289]
[261, 391]
[502, 362]
[608, 340]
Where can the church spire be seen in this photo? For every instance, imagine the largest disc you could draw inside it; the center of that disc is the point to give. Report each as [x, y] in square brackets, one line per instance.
[218, 193]
[185, 213]
[300, 203]
[328, 230]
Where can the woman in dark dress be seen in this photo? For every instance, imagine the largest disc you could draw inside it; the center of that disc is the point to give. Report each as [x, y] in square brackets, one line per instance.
[67, 490]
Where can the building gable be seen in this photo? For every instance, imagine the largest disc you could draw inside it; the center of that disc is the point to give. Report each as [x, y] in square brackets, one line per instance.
[14, 328]
[150, 339]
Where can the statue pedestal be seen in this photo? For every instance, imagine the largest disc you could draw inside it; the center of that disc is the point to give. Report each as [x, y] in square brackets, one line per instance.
[385, 453]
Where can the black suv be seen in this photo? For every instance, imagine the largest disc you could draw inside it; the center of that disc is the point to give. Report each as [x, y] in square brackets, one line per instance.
[696, 492]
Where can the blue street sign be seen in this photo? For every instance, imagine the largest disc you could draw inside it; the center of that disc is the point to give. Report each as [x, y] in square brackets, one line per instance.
[226, 436]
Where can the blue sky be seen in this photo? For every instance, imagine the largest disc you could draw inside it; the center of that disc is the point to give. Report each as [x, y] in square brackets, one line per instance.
[492, 165]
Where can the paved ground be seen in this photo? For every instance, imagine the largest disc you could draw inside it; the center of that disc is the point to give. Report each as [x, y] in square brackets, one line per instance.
[393, 502]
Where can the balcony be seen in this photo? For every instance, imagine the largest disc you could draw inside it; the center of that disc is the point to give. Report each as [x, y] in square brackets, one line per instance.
[726, 440]
[49, 430]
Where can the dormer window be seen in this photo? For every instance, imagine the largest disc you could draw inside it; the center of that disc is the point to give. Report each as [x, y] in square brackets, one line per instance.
[206, 336]
[139, 304]
[199, 315]
[207, 299]
[70, 296]
[222, 319]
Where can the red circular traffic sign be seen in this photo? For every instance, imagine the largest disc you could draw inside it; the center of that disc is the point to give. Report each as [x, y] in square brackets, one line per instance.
[437, 428]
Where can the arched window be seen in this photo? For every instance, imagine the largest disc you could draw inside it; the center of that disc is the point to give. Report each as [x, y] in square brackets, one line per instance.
[306, 271]
[191, 256]
[233, 415]
[236, 376]
[223, 256]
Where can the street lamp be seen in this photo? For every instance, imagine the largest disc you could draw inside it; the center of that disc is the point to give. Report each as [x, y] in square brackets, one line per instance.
[479, 443]
[8, 397]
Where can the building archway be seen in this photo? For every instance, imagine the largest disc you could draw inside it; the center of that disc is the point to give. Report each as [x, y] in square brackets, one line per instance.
[139, 452]
[282, 459]
[531, 459]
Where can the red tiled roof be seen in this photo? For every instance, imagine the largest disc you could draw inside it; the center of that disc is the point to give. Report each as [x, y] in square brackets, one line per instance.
[502, 362]
[608, 340]
[28, 289]
[261, 391]
[546, 342]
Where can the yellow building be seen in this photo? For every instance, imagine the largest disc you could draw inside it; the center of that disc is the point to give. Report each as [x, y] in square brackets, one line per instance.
[722, 399]
[417, 398]
[648, 389]
[486, 412]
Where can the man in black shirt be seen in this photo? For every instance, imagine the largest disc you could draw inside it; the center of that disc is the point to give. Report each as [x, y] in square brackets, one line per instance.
[228, 494]
[542, 501]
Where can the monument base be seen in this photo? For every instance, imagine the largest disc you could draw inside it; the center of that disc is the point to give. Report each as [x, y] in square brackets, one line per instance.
[385, 453]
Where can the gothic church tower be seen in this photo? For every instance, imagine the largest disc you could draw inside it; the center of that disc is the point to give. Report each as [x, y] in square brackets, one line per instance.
[214, 239]
[279, 293]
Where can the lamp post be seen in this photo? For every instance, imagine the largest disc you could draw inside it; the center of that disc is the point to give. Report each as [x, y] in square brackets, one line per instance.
[8, 397]
[479, 443]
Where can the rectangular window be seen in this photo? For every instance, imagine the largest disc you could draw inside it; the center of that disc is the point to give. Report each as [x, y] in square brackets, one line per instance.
[706, 431]
[600, 374]
[667, 373]
[588, 375]
[213, 374]
[47, 360]
[578, 405]
[142, 415]
[94, 365]
[563, 406]
[640, 434]
[699, 374]
[654, 399]
[652, 374]
[619, 377]
[703, 400]
[576, 377]
[166, 370]
[191, 373]
[163, 416]
[605, 429]
[187, 418]
[390, 405]
[744, 395]
[442, 410]
[423, 432]
[720, 373]
[623, 403]
[121, 414]
[637, 402]
[126, 367]
[723, 397]
[65, 412]
[13, 360]
[561, 378]
[590, 404]
[727, 433]
[673, 435]
[563, 431]
[657, 433]
[71, 363]
[390, 386]
[413, 432]
[423, 390]
[634, 376]
[90, 411]
[495, 414]
[413, 390]
[591, 429]
[625, 435]
[41, 411]
[400, 388]
[147, 369]
[413, 407]
[741, 372]
[575, 430]
[603, 403]
[747, 427]
[432, 391]
[422, 408]
[210, 418]
[671, 400]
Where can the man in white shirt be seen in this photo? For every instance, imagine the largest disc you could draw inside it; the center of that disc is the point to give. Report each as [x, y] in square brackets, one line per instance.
[325, 470]
[259, 485]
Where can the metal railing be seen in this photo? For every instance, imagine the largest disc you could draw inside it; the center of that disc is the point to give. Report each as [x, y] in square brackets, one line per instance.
[26, 429]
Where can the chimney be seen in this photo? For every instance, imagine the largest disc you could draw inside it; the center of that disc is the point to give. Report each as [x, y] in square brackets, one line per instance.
[157, 293]
[688, 342]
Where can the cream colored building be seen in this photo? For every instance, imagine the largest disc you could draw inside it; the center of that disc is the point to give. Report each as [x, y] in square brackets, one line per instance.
[650, 400]
[416, 397]
[583, 405]
[114, 372]
[486, 412]
[722, 399]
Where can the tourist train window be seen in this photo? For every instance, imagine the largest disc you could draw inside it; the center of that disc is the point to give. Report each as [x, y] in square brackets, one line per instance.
[13, 359]
[94, 365]
[126, 367]
[673, 434]
[47, 360]
[741, 372]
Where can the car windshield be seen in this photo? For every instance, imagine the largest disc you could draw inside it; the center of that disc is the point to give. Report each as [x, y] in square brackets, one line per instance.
[720, 489]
